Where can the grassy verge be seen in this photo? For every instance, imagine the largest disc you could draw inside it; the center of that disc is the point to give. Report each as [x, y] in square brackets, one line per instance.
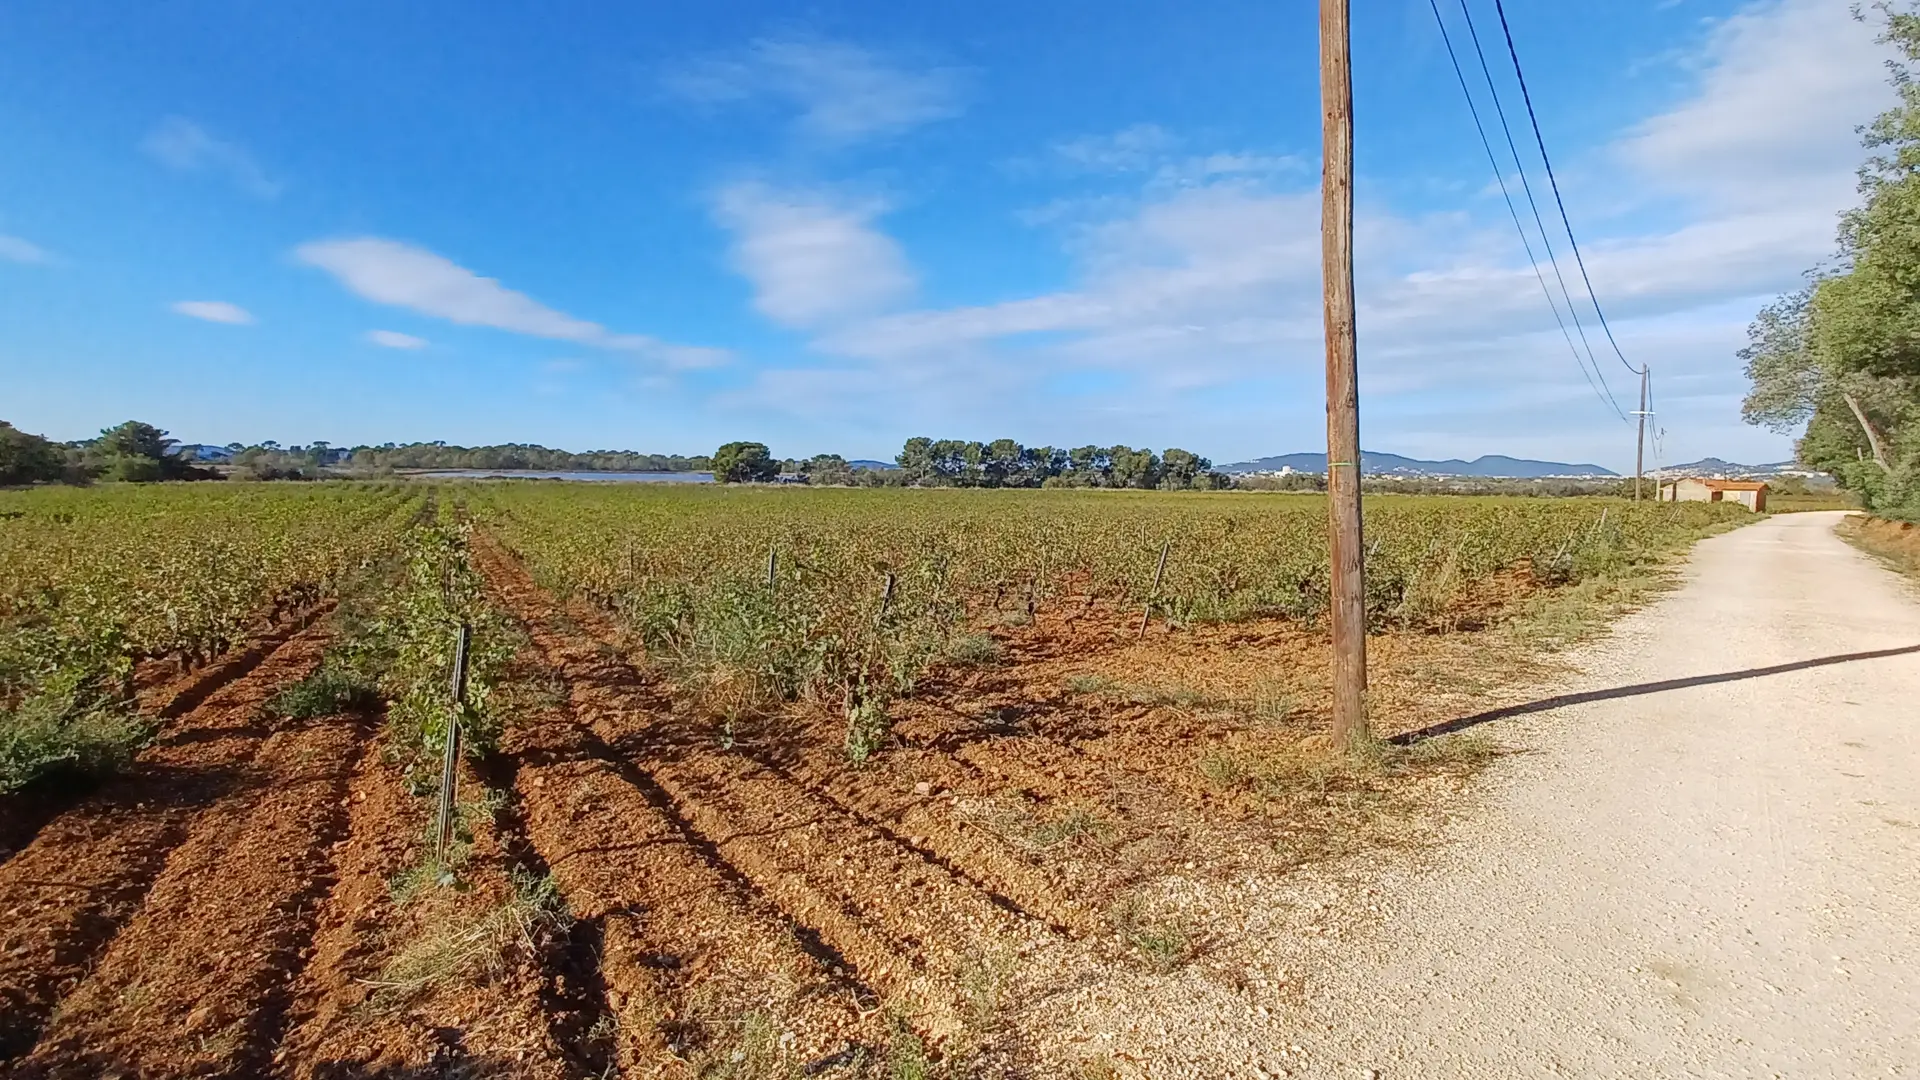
[1895, 543]
[1784, 503]
[1556, 618]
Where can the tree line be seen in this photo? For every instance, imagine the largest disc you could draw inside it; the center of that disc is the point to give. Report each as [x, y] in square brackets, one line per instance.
[1002, 463]
[528, 456]
[1006, 463]
[1839, 359]
[132, 451]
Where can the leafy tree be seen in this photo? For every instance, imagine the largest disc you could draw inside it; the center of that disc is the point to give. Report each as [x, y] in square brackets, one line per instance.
[744, 462]
[28, 459]
[135, 439]
[1181, 470]
[1088, 466]
[1133, 468]
[139, 453]
[828, 469]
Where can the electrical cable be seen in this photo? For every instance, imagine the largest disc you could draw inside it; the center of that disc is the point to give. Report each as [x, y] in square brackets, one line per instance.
[1526, 186]
[1555, 182]
[1499, 176]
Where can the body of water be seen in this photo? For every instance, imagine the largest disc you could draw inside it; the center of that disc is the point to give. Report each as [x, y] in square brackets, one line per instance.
[596, 477]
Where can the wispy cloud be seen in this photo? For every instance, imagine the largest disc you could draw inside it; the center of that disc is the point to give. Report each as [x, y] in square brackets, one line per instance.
[218, 311]
[844, 93]
[14, 249]
[394, 339]
[184, 146]
[1131, 149]
[1781, 89]
[1155, 159]
[402, 275]
[812, 258]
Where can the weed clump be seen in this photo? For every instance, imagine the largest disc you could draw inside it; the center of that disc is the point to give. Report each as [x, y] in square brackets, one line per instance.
[71, 710]
[50, 735]
[1090, 684]
[975, 650]
[332, 689]
[480, 946]
[1163, 943]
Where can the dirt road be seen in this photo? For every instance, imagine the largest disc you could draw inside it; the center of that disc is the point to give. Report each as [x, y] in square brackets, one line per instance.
[1712, 869]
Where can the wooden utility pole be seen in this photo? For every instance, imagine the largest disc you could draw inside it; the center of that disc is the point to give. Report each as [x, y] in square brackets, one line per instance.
[1349, 599]
[1640, 444]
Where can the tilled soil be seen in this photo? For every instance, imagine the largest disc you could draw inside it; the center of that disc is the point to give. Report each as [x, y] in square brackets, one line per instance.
[68, 892]
[225, 908]
[735, 903]
[1004, 850]
[768, 900]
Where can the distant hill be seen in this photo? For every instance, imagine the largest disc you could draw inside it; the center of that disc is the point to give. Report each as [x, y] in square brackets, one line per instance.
[1379, 464]
[867, 463]
[1713, 466]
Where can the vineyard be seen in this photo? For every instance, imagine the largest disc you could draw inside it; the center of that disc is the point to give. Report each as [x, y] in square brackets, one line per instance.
[755, 783]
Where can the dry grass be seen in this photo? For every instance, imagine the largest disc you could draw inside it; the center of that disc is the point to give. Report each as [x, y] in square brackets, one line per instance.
[476, 946]
[1783, 503]
[1895, 543]
[1161, 941]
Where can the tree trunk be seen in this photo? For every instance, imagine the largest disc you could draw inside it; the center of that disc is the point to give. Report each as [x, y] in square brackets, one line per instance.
[1873, 437]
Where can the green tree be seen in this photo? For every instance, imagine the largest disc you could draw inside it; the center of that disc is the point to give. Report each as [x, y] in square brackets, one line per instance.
[1088, 466]
[1000, 463]
[1132, 468]
[28, 459]
[135, 439]
[915, 460]
[139, 453]
[828, 469]
[744, 462]
[1184, 470]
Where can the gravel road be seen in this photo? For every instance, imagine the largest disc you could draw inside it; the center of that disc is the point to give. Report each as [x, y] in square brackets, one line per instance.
[1717, 877]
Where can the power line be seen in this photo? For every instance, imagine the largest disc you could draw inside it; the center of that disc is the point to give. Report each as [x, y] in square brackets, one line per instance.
[1499, 176]
[1526, 186]
[1554, 181]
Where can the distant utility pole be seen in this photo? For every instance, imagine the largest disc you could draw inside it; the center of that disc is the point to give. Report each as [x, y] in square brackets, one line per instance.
[1640, 444]
[1349, 599]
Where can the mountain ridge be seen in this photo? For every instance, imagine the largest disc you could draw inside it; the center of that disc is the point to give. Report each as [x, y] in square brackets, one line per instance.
[1379, 463]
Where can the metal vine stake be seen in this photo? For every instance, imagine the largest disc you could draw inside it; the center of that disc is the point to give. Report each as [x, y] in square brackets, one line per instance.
[450, 764]
[1160, 572]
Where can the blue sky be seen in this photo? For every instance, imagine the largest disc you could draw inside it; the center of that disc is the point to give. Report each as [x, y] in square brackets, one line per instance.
[830, 227]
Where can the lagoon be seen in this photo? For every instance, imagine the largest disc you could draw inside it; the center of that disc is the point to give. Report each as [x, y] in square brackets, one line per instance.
[537, 474]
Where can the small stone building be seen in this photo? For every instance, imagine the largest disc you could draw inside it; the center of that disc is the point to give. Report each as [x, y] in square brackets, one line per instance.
[1751, 494]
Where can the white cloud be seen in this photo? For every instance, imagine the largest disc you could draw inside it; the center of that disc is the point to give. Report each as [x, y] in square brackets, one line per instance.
[184, 146]
[394, 339]
[1201, 292]
[14, 249]
[844, 93]
[214, 311]
[812, 259]
[1782, 87]
[402, 275]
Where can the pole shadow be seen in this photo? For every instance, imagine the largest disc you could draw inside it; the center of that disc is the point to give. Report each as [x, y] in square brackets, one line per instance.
[1561, 701]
